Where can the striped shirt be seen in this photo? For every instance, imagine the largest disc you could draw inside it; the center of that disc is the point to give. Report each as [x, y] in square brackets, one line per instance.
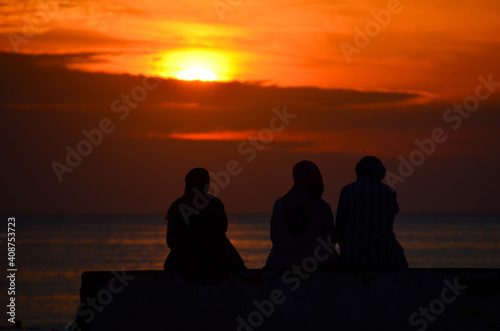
[364, 226]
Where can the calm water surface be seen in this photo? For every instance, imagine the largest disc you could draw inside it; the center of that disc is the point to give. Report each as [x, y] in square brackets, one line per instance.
[52, 252]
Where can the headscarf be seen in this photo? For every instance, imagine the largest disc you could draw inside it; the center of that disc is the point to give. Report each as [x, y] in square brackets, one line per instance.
[301, 200]
[370, 166]
[197, 178]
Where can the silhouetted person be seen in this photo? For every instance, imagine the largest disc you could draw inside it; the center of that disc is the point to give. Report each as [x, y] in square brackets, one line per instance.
[301, 220]
[196, 233]
[365, 217]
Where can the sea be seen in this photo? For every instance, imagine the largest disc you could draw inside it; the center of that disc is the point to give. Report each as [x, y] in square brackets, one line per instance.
[53, 251]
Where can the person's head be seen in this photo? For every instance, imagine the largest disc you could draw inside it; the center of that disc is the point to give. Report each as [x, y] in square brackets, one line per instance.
[197, 178]
[307, 177]
[370, 166]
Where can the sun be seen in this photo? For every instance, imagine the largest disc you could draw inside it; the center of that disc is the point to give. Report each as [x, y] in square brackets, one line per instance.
[197, 73]
[195, 64]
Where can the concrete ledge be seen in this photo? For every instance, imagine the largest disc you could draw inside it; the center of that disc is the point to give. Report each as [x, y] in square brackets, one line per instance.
[413, 299]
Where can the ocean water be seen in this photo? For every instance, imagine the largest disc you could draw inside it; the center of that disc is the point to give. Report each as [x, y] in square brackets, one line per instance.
[53, 251]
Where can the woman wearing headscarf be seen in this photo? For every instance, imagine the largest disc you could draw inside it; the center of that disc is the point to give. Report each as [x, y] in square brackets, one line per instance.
[302, 223]
[196, 233]
[364, 222]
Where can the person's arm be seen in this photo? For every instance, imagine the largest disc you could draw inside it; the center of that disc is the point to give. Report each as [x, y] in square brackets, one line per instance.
[170, 235]
[173, 231]
[329, 223]
[221, 216]
[273, 232]
[395, 199]
[341, 219]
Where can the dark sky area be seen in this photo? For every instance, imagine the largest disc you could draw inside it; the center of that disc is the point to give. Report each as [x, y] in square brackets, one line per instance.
[96, 116]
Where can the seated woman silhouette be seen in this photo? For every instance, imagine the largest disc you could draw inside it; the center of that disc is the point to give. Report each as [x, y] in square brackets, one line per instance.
[300, 220]
[196, 234]
[365, 216]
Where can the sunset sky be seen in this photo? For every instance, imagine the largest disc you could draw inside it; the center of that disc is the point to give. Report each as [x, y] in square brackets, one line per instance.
[328, 81]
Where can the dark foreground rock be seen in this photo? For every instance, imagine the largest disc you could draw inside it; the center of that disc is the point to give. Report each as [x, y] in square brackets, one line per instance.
[413, 299]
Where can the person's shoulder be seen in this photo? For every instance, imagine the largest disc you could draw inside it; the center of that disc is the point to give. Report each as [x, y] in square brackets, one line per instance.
[280, 201]
[388, 188]
[176, 203]
[279, 204]
[323, 204]
[174, 211]
[324, 208]
[212, 197]
[348, 186]
[179, 200]
[215, 201]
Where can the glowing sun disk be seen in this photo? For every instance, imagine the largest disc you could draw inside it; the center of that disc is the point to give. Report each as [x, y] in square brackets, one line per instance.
[197, 73]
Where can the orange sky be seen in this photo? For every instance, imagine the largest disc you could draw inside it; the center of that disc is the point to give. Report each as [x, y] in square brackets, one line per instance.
[413, 62]
[437, 46]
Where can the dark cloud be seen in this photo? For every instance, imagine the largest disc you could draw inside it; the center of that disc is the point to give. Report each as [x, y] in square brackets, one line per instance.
[49, 81]
[44, 107]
